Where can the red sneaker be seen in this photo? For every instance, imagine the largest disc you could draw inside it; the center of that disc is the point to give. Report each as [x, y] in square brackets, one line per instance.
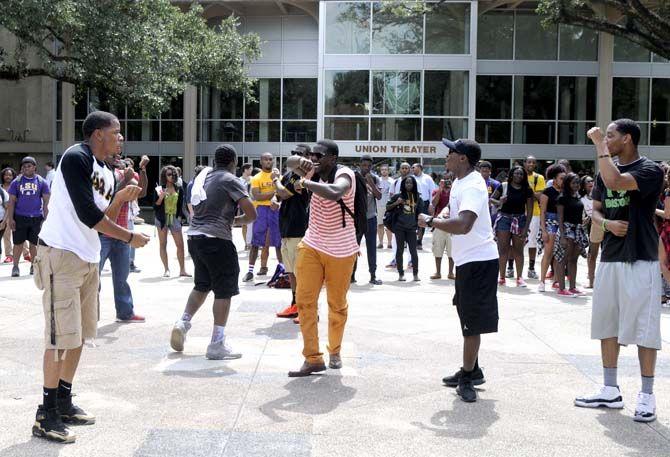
[502, 282]
[565, 293]
[289, 312]
[550, 275]
[27, 257]
[134, 319]
[576, 292]
[8, 259]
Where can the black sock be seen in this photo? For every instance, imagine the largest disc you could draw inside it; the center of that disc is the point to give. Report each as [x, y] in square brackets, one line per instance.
[64, 389]
[531, 264]
[49, 398]
[292, 298]
[510, 264]
[476, 365]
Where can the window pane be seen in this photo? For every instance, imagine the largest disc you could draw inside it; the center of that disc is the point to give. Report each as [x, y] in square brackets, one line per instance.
[142, 131]
[494, 97]
[347, 28]
[172, 130]
[534, 42]
[396, 129]
[627, 51]
[446, 93]
[59, 101]
[573, 132]
[98, 100]
[534, 97]
[630, 98]
[577, 98]
[495, 36]
[267, 93]
[300, 98]
[342, 128]
[347, 92]
[228, 131]
[660, 100]
[176, 109]
[493, 132]
[299, 132]
[394, 34]
[578, 43]
[436, 129]
[261, 132]
[218, 105]
[659, 59]
[660, 134]
[396, 92]
[534, 132]
[78, 132]
[448, 29]
[81, 108]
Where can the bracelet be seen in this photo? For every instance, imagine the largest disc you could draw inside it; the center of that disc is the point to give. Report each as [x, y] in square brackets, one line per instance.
[604, 225]
[602, 156]
[132, 234]
[429, 221]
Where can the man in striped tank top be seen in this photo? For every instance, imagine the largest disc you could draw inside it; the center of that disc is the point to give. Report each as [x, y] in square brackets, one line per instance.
[328, 250]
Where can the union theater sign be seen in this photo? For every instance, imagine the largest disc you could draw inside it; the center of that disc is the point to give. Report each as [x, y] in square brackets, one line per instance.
[387, 149]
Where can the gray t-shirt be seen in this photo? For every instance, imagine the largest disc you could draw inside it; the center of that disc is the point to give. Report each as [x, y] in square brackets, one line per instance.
[215, 215]
[372, 201]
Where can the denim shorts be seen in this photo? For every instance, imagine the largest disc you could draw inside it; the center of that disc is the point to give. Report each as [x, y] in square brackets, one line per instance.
[504, 222]
[174, 227]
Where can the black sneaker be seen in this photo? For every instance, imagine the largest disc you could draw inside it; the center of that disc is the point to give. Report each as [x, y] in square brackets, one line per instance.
[248, 277]
[73, 414]
[466, 390]
[477, 378]
[134, 269]
[49, 425]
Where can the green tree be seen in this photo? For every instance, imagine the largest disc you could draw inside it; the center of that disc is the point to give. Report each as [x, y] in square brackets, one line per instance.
[143, 52]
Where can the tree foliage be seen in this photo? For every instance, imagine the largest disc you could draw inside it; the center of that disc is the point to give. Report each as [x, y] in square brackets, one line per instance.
[140, 51]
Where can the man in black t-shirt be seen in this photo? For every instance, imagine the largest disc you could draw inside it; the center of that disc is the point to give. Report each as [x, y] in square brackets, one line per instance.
[627, 288]
[293, 219]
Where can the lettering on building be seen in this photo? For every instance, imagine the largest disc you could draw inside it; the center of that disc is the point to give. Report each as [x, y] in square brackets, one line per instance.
[394, 149]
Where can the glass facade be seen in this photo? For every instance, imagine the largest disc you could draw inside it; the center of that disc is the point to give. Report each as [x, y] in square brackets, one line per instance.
[647, 101]
[281, 110]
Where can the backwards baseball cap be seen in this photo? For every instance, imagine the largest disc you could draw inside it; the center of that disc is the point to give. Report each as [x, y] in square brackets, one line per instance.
[326, 147]
[302, 149]
[468, 148]
[28, 159]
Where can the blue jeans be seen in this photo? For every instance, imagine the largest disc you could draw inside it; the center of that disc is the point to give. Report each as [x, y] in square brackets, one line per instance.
[118, 254]
[131, 227]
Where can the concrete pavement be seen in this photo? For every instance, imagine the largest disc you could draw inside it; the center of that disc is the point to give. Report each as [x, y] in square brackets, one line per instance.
[388, 400]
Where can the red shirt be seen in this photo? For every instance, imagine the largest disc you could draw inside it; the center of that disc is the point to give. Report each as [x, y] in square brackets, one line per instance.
[122, 218]
[443, 201]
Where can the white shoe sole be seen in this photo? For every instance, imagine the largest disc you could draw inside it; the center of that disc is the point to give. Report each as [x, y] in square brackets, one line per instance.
[223, 357]
[177, 339]
[600, 404]
[644, 419]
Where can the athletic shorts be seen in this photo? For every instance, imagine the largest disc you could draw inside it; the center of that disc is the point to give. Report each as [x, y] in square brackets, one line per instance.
[174, 227]
[267, 220]
[627, 303]
[27, 229]
[289, 253]
[533, 230]
[70, 303]
[441, 243]
[215, 266]
[476, 297]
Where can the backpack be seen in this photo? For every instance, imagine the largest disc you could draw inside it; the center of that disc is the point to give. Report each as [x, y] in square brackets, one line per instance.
[280, 279]
[359, 214]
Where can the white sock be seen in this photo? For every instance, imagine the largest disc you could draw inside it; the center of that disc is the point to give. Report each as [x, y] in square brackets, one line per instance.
[218, 333]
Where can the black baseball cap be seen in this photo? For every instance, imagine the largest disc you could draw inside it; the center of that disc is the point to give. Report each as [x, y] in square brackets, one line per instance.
[302, 149]
[468, 148]
[28, 159]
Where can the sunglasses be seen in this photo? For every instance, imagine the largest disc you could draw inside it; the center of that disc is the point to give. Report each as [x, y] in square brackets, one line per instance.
[318, 155]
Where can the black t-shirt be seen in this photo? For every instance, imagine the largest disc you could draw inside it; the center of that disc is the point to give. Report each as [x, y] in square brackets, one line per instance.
[552, 194]
[637, 207]
[516, 200]
[573, 209]
[293, 213]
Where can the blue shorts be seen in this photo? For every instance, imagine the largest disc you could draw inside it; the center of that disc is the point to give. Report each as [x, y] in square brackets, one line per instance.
[174, 227]
[504, 222]
[267, 220]
[551, 221]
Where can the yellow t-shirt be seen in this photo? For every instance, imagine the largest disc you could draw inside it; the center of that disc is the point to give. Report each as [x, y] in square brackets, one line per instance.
[263, 182]
[536, 182]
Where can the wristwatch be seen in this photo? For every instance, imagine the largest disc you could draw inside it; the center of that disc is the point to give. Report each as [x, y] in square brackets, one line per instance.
[429, 221]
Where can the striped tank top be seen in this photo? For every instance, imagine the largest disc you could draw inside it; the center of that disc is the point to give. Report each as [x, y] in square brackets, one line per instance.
[325, 232]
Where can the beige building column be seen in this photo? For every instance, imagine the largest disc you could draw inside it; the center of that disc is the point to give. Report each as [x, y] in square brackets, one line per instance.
[67, 119]
[190, 131]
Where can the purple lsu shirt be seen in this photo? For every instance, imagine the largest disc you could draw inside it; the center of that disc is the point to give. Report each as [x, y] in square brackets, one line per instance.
[28, 193]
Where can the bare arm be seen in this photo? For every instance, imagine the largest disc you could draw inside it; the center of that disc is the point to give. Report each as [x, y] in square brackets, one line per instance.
[333, 191]
[261, 196]
[10, 212]
[529, 213]
[45, 204]
[282, 192]
[248, 212]
[544, 200]
[610, 174]
[459, 225]
[144, 183]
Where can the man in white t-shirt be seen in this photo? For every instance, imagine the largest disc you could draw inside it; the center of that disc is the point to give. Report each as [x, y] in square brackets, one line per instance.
[475, 255]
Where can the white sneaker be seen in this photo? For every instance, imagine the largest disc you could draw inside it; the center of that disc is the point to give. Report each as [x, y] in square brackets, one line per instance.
[509, 273]
[178, 336]
[607, 396]
[221, 351]
[645, 411]
[541, 287]
[532, 274]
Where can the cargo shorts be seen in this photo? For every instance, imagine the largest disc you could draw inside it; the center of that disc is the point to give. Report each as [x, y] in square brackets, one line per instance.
[69, 299]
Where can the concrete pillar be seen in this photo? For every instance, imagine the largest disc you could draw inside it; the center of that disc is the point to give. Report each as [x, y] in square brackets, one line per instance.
[190, 131]
[472, 86]
[605, 64]
[67, 120]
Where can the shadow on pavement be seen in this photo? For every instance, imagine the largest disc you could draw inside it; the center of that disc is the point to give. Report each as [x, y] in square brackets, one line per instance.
[463, 420]
[280, 330]
[310, 395]
[34, 446]
[105, 332]
[615, 422]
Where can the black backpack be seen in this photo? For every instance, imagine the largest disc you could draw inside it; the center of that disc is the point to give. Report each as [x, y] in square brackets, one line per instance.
[359, 214]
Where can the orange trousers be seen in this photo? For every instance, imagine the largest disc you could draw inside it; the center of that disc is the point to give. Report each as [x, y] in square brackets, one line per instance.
[312, 269]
